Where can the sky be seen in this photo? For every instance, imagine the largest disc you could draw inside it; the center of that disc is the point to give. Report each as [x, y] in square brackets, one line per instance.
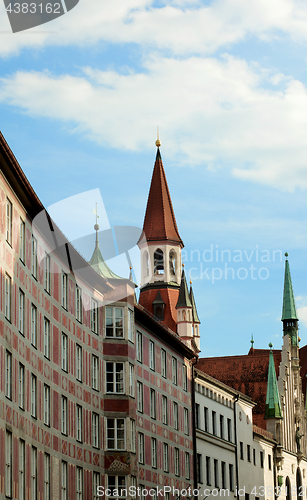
[226, 82]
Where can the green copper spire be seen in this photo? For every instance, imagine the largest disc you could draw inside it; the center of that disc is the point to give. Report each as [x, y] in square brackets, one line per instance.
[272, 404]
[183, 298]
[288, 307]
[97, 261]
[194, 310]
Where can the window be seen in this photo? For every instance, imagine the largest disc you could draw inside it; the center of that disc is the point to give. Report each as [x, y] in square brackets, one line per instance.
[140, 396]
[21, 474]
[79, 362]
[64, 415]
[139, 347]
[133, 484]
[64, 482]
[94, 316]
[132, 435]
[185, 377]
[117, 486]
[64, 290]
[248, 453]
[231, 483]
[214, 423]
[21, 386]
[131, 380]
[152, 403]
[9, 213]
[130, 326]
[164, 410]
[254, 456]
[229, 433]
[154, 453]
[222, 426]
[34, 257]
[158, 261]
[64, 352]
[165, 457]
[114, 322]
[241, 451]
[95, 372]
[174, 370]
[223, 470]
[46, 338]
[33, 395]
[47, 476]
[78, 304]
[46, 404]
[197, 423]
[177, 463]
[8, 296]
[187, 465]
[79, 423]
[115, 377]
[199, 468]
[261, 459]
[163, 363]
[270, 462]
[8, 464]
[141, 447]
[151, 355]
[186, 420]
[116, 434]
[21, 311]
[216, 473]
[79, 483]
[8, 374]
[47, 273]
[95, 430]
[33, 325]
[208, 471]
[96, 483]
[176, 420]
[22, 233]
[206, 418]
[34, 472]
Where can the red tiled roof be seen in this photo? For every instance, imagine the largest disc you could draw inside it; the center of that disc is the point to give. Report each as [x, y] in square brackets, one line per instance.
[169, 296]
[247, 374]
[160, 223]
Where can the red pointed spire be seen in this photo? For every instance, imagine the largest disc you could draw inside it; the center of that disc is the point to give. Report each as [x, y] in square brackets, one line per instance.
[160, 223]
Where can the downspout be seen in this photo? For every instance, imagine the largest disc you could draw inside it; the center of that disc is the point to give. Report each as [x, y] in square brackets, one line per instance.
[236, 398]
[194, 426]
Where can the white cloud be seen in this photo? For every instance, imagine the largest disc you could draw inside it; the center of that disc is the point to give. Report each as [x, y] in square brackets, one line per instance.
[213, 113]
[184, 27]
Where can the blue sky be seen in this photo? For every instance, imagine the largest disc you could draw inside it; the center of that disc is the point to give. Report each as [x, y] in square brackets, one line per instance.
[226, 81]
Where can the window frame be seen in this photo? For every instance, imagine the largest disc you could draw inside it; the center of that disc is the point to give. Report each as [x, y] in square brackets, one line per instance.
[21, 310]
[8, 464]
[8, 298]
[176, 462]
[47, 328]
[78, 304]
[34, 257]
[153, 453]
[119, 433]
[95, 430]
[46, 406]
[141, 449]
[34, 325]
[79, 364]
[139, 347]
[64, 283]
[64, 415]
[152, 364]
[113, 328]
[152, 404]
[95, 372]
[174, 371]
[8, 375]
[164, 410]
[21, 386]
[64, 352]
[115, 378]
[9, 221]
[163, 363]
[47, 274]
[79, 423]
[140, 397]
[22, 240]
[176, 415]
[94, 316]
[22, 470]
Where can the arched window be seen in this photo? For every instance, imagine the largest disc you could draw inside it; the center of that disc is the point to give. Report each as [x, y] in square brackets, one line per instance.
[288, 489]
[299, 489]
[172, 262]
[146, 263]
[158, 261]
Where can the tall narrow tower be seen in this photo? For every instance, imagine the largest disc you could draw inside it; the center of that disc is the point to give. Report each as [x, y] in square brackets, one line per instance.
[161, 247]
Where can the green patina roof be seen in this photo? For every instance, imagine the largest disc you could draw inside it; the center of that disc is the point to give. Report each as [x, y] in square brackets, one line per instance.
[183, 298]
[288, 307]
[194, 310]
[272, 404]
[99, 265]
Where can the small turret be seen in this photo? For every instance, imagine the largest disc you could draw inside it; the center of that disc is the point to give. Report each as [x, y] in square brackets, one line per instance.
[272, 403]
[184, 310]
[196, 320]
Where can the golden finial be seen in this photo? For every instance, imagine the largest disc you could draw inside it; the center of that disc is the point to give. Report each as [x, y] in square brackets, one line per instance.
[96, 227]
[190, 282]
[158, 142]
[182, 265]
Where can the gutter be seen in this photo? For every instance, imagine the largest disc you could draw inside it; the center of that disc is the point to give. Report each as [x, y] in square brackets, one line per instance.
[236, 399]
[194, 426]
